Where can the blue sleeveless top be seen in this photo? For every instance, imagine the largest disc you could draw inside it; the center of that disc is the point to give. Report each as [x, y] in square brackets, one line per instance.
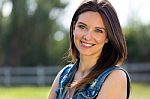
[91, 90]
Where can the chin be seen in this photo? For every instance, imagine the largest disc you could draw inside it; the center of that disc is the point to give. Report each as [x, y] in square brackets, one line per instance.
[86, 54]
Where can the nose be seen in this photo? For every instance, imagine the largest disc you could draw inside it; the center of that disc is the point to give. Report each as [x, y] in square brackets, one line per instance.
[87, 35]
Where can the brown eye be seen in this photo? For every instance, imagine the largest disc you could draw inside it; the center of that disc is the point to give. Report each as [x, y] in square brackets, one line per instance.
[81, 26]
[99, 30]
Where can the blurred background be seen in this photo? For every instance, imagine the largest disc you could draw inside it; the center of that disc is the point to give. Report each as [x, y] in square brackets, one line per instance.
[34, 44]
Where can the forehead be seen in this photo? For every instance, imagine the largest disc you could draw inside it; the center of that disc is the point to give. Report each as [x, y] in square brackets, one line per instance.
[91, 18]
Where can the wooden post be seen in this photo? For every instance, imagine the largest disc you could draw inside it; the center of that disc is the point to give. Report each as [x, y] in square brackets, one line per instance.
[7, 76]
[40, 76]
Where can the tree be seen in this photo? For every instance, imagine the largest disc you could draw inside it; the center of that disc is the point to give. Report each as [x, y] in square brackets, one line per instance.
[29, 36]
[138, 36]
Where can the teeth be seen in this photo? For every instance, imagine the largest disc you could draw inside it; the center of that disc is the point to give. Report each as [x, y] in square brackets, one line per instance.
[85, 44]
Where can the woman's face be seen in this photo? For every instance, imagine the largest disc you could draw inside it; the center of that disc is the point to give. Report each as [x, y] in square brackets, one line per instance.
[89, 34]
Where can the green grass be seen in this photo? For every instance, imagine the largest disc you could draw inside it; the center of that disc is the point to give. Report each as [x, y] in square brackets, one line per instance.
[139, 91]
[29, 92]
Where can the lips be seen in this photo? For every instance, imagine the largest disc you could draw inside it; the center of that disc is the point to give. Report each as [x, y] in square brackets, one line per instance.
[87, 45]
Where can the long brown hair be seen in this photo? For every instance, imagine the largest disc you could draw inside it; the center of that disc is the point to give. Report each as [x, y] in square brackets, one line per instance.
[113, 52]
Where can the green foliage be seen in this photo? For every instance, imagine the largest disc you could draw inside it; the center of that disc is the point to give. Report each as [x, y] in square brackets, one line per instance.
[138, 38]
[26, 35]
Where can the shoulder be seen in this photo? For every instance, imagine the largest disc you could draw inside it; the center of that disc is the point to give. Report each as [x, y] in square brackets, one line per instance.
[63, 71]
[116, 81]
[55, 84]
[118, 76]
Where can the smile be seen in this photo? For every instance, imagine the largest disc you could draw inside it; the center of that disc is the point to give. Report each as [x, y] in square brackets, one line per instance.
[84, 44]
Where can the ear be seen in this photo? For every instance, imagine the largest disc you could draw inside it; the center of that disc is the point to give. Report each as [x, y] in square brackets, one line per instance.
[73, 33]
[74, 25]
[74, 30]
[106, 41]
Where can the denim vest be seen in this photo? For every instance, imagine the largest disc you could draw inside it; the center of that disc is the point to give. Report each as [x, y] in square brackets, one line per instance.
[91, 90]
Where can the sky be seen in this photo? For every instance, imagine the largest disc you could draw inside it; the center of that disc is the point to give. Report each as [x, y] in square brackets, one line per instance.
[124, 8]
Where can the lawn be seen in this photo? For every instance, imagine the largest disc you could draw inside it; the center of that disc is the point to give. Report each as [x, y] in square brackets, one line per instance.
[139, 91]
[23, 92]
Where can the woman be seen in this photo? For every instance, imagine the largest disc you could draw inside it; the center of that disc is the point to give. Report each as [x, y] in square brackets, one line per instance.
[97, 50]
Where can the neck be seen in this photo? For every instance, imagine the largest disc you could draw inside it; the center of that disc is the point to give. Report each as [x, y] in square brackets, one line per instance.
[86, 63]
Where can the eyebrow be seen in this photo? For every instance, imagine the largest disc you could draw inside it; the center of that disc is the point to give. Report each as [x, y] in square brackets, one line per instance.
[95, 27]
[82, 23]
[100, 28]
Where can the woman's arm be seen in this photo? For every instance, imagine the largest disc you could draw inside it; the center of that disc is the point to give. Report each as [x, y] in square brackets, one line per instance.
[114, 87]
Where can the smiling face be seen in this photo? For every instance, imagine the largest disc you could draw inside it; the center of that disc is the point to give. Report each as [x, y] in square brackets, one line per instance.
[89, 34]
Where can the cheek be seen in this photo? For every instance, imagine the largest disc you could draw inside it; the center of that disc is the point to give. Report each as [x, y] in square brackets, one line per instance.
[77, 35]
[77, 38]
[100, 38]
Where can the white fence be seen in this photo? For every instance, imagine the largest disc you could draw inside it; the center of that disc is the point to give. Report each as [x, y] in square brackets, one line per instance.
[28, 75]
[45, 75]
[139, 72]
